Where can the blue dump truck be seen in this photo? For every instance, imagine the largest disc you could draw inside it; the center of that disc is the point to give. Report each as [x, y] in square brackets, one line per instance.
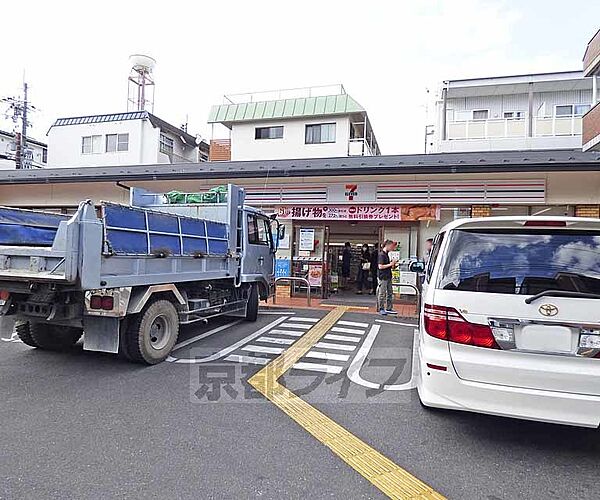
[125, 277]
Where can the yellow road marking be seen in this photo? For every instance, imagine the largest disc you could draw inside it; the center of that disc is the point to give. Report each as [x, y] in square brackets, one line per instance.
[390, 478]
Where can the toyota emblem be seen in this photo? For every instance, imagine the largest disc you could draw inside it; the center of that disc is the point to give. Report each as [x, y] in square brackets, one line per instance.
[548, 310]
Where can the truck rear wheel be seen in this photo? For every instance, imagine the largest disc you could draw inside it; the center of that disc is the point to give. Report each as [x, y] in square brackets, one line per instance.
[52, 337]
[252, 306]
[152, 334]
[23, 332]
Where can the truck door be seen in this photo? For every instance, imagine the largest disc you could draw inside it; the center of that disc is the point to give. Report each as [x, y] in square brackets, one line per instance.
[261, 247]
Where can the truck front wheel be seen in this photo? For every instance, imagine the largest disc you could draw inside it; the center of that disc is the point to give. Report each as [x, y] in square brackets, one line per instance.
[48, 337]
[152, 333]
[252, 305]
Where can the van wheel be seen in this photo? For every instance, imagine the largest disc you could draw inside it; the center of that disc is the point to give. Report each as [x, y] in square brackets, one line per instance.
[53, 337]
[23, 332]
[252, 305]
[151, 335]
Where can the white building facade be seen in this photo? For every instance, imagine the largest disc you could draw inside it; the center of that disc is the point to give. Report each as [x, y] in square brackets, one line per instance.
[36, 152]
[525, 112]
[131, 138]
[315, 122]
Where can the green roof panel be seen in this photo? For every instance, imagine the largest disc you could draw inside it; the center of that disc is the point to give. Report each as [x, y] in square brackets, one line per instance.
[283, 108]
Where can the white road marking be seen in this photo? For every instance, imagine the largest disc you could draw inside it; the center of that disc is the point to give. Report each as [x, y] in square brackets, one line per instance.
[358, 361]
[308, 320]
[315, 367]
[353, 323]
[395, 323]
[276, 313]
[292, 333]
[343, 338]
[347, 330]
[205, 334]
[273, 340]
[327, 355]
[247, 359]
[297, 325]
[339, 347]
[224, 352]
[263, 349]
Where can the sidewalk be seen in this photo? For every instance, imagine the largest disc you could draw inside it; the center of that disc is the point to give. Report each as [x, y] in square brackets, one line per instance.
[404, 309]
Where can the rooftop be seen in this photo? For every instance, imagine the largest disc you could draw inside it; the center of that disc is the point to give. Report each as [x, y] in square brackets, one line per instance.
[29, 139]
[130, 115]
[286, 103]
[517, 84]
[441, 163]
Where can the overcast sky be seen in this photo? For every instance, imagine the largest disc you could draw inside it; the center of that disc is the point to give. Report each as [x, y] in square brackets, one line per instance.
[386, 53]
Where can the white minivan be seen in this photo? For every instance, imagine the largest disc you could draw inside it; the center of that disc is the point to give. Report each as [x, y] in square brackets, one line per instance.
[510, 319]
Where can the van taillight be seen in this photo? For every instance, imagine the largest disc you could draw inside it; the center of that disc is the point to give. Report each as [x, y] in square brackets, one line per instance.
[446, 323]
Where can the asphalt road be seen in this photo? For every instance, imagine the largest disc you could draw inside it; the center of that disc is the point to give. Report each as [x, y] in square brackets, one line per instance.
[87, 425]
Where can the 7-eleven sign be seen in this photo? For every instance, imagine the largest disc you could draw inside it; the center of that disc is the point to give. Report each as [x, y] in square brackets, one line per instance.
[351, 191]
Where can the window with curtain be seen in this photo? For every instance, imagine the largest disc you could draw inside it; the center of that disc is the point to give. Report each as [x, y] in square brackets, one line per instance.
[320, 133]
[268, 132]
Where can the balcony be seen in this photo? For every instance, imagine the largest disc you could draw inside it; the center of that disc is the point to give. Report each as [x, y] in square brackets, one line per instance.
[548, 126]
[591, 129]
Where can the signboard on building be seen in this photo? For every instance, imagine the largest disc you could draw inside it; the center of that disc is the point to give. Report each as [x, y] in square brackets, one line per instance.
[359, 212]
[315, 274]
[283, 268]
[307, 239]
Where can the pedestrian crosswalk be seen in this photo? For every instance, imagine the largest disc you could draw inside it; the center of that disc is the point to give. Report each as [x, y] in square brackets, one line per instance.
[329, 355]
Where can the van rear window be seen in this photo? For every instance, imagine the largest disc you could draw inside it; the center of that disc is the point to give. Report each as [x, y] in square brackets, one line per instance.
[515, 262]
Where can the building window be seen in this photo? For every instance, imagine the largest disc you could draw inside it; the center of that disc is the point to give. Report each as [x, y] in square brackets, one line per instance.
[117, 142]
[268, 132]
[480, 114]
[166, 144]
[45, 155]
[572, 109]
[468, 114]
[91, 144]
[514, 115]
[320, 134]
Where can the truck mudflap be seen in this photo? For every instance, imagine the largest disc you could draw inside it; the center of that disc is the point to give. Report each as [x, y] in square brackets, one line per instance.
[101, 334]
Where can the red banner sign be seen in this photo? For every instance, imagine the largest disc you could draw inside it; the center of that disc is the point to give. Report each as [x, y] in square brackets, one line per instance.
[361, 212]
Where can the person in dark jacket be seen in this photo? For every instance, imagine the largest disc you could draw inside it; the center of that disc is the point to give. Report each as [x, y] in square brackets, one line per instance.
[364, 269]
[374, 269]
[346, 258]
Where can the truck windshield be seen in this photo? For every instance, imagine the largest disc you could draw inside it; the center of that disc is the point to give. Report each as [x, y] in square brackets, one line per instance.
[515, 262]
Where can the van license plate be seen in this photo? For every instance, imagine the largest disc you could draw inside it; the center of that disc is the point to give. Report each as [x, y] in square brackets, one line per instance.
[545, 338]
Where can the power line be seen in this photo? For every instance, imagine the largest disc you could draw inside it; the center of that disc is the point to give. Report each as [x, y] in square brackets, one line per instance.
[17, 110]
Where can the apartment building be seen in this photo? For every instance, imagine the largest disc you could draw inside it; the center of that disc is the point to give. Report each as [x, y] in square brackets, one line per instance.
[312, 122]
[522, 112]
[136, 137]
[36, 152]
[591, 70]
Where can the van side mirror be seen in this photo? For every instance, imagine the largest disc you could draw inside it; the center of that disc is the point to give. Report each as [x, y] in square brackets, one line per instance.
[417, 267]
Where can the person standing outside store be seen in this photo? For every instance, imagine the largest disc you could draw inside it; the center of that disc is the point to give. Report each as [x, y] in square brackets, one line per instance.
[346, 259]
[385, 293]
[428, 247]
[364, 269]
[374, 270]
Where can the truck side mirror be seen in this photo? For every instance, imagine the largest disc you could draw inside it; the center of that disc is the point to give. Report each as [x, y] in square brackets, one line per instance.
[280, 232]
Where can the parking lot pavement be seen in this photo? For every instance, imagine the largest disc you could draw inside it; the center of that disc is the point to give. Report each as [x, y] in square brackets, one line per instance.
[89, 425]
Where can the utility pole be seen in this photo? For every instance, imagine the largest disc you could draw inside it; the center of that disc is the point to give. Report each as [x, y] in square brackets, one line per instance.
[19, 109]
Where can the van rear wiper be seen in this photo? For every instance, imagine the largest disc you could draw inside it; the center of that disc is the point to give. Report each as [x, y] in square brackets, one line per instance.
[562, 293]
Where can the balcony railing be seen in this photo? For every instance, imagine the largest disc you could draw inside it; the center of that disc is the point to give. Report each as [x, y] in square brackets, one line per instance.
[359, 147]
[514, 127]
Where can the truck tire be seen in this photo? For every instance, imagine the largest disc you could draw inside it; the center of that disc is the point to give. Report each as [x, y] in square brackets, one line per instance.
[54, 337]
[23, 332]
[252, 306]
[151, 335]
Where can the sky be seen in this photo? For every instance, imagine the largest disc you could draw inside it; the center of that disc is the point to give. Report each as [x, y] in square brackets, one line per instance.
[388, 54]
